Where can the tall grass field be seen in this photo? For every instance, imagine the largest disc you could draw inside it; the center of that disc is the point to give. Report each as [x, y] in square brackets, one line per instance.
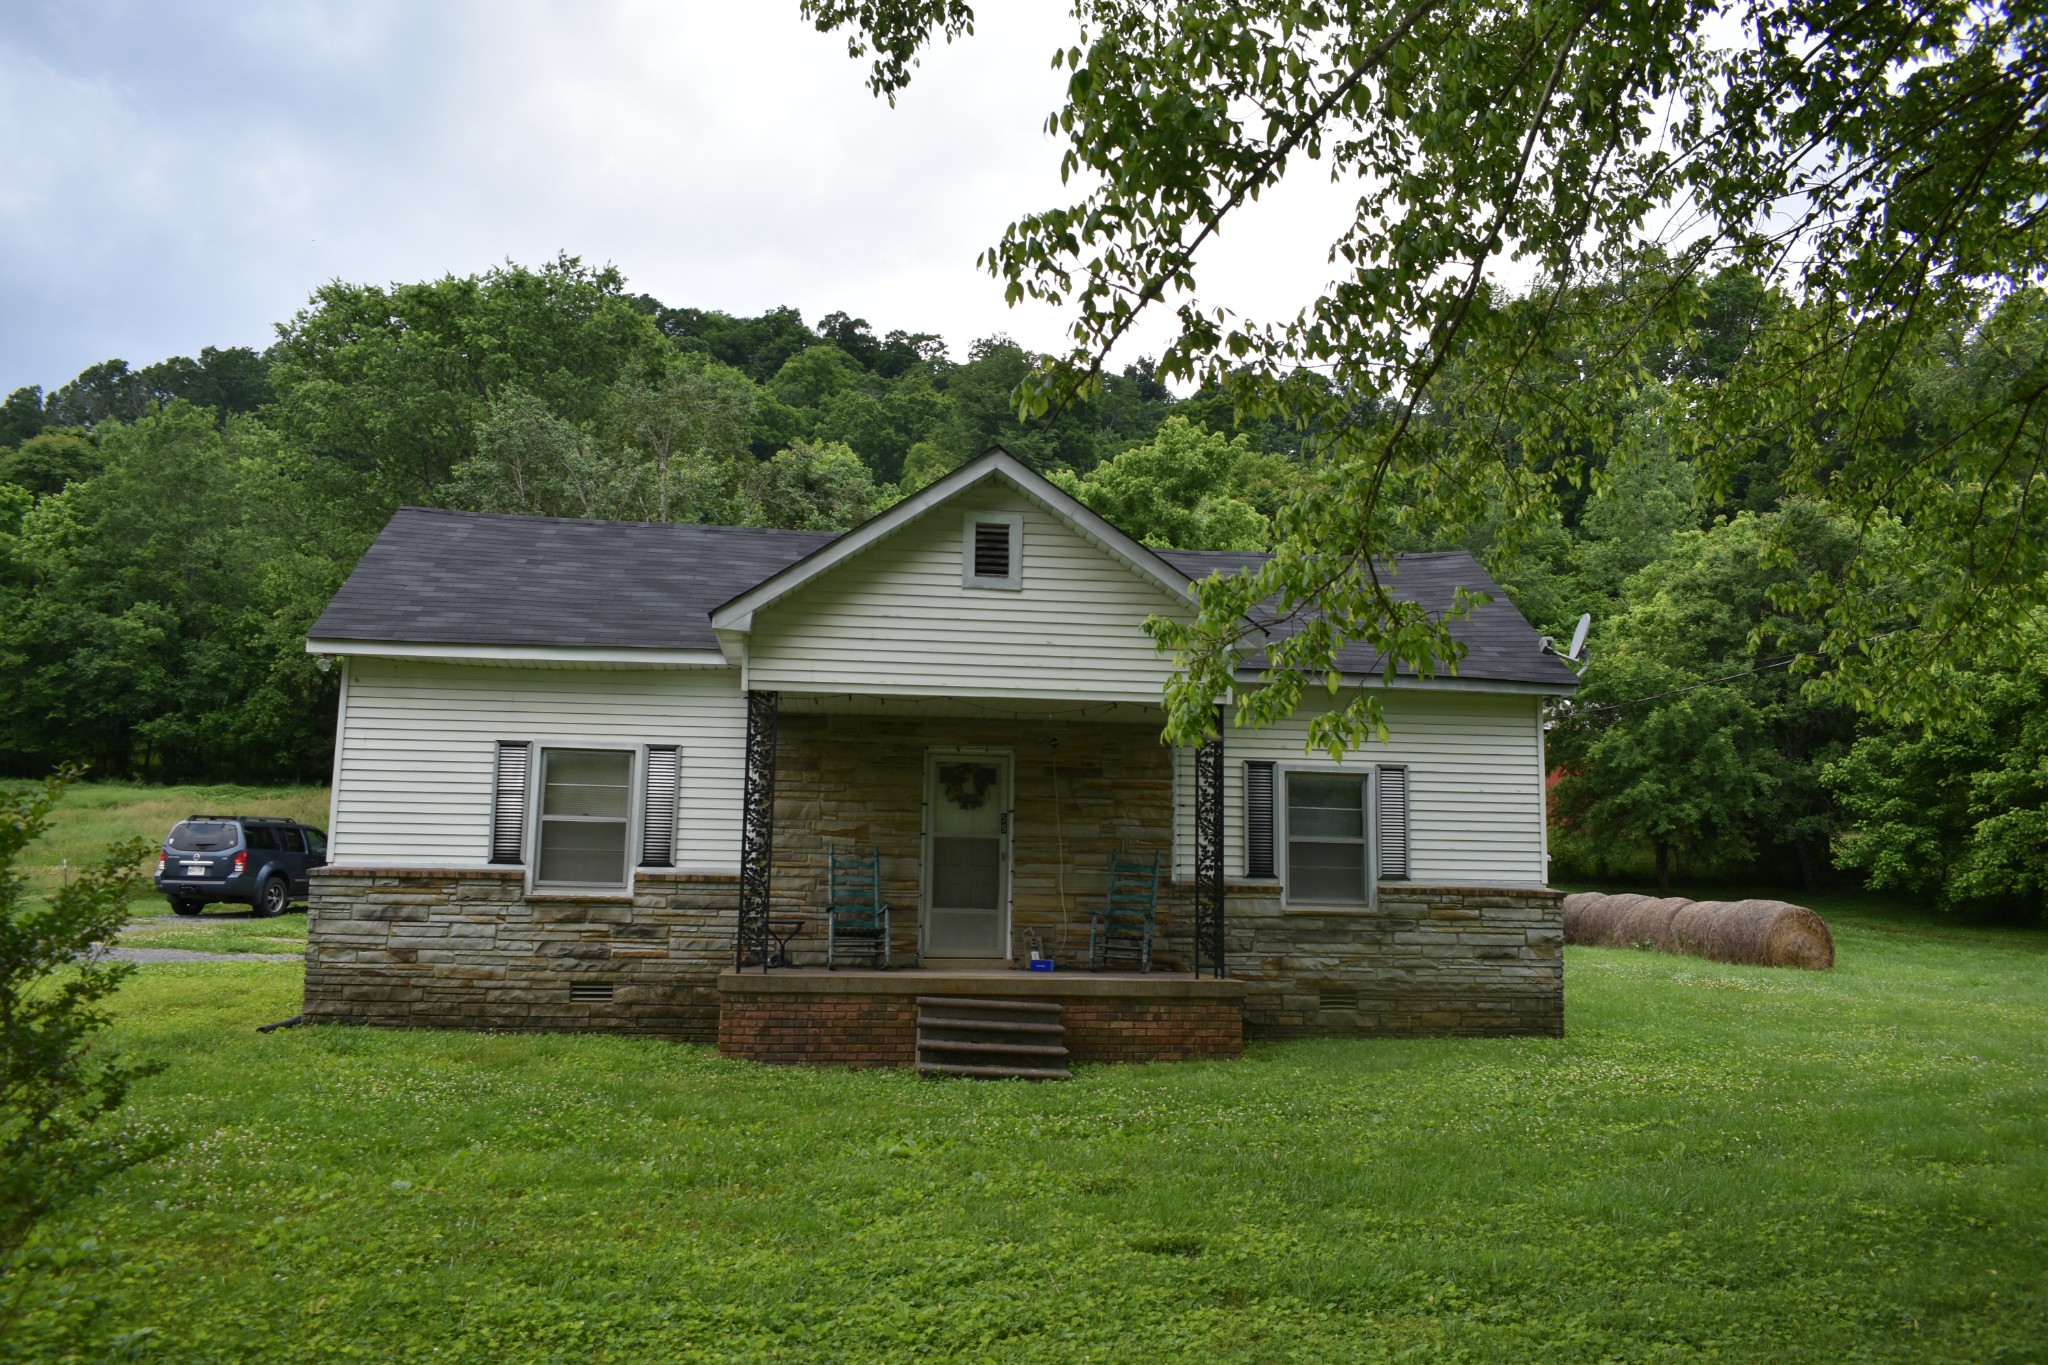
[1715, 1163]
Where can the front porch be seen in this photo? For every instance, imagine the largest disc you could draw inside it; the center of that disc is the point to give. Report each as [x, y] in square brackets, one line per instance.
[974, 878]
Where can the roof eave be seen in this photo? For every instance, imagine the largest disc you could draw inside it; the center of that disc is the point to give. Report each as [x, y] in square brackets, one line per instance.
[439, 652]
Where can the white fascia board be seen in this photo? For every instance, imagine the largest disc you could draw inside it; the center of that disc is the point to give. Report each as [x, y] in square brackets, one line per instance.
[738, 614]
[520, 654]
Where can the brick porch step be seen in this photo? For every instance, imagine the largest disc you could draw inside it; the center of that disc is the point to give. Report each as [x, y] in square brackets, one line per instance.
[991, 1039]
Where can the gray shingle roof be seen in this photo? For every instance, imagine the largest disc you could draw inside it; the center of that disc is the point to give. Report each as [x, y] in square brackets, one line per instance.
[441, 577]
[1500, 644]
[470, 578]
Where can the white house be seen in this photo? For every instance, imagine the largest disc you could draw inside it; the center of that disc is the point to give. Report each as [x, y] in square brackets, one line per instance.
[581, 768]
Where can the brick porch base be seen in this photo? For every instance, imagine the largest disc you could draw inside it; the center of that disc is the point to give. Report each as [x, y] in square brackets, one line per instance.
[870, 1018]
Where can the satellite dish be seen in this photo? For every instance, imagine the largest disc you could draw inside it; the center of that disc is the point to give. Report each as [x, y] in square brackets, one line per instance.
[1579, 637]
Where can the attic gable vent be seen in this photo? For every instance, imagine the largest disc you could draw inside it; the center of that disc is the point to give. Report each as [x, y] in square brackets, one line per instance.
[991, 550]
[993, 553]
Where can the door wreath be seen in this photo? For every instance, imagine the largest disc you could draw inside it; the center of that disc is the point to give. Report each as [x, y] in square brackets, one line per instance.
[967, 785]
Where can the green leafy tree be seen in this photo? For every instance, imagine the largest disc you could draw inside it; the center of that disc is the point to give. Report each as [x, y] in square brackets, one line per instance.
[47, 462]
[668, 449]
[689, 430]
[1690, 734]
[1185, 489]
[1957, 811]
[146, 607]
[106, 392]
[229, 380]
[1676, 777]
[1874, 167]
[811, 488]
[21, 416]
[60, 1090]
[396, 382]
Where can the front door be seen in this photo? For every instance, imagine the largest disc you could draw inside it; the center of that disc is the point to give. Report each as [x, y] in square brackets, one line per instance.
[967, 854]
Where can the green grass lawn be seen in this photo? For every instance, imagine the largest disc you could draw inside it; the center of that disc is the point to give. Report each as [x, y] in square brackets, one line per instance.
[1716, 1163]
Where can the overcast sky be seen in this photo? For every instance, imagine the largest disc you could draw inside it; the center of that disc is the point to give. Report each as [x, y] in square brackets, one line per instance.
[176, 175]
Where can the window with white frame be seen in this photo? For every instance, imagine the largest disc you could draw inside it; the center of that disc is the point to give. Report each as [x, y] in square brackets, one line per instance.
[585, 814]
[1328, 851]
[992, 552]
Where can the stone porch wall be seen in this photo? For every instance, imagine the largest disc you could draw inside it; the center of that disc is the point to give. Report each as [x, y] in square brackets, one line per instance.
[1081, 789]
[467, 948]
[1429, 960]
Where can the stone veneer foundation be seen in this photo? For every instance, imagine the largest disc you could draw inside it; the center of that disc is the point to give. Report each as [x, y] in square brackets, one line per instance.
[1428, 960]
[467, 948]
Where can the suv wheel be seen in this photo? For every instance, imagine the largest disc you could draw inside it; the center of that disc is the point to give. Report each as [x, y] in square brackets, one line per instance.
[185, 907]
[273, 898]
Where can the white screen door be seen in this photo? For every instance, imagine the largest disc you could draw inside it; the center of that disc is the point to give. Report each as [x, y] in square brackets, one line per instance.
[967, 855]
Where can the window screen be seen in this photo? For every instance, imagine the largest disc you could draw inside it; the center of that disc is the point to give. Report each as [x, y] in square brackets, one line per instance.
[585, 799]
[1326, 838]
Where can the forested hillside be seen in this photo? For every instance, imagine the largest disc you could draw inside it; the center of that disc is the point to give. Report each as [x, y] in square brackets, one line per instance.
[168, 533]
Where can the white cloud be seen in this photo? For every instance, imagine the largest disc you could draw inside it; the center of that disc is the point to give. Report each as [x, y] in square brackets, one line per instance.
[185, 178]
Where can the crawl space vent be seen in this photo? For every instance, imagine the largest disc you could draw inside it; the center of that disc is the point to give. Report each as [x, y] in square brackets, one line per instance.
[1339, 998]
[590, 990]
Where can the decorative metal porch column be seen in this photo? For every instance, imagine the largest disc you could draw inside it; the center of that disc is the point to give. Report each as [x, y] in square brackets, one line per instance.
[757, 831]
[1209, 853]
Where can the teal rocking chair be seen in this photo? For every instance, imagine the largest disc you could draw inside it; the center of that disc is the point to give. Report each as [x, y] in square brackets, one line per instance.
[856, 919]
[1122, 931]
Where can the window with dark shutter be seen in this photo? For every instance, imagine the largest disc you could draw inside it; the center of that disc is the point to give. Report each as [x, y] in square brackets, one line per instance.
[1258, 818]
[1393, 822]
[508, 802]
[658, 807]
[991, 549]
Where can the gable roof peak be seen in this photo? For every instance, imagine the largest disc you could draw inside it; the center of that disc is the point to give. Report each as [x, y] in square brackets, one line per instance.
[995, 462]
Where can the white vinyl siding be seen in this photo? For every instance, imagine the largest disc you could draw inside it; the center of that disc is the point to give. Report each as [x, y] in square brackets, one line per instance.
[1475, 785]
[419, 747]
[897, 620]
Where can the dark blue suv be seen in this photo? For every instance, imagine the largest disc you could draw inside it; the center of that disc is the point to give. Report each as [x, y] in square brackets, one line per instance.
[252, 860]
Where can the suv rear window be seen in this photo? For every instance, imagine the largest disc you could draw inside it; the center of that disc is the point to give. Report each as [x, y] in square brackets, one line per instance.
[203, 836]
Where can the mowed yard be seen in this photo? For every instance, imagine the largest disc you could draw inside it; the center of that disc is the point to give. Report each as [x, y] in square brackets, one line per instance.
[1716, 1163]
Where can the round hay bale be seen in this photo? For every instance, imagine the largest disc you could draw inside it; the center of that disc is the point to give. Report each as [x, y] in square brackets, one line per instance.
[1692, 929]
[1596, 919]
[1647, 923]
[1767, 933]
[1575, 908]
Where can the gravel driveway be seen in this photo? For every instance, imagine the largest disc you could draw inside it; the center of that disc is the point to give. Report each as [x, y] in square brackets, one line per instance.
[187, 955]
